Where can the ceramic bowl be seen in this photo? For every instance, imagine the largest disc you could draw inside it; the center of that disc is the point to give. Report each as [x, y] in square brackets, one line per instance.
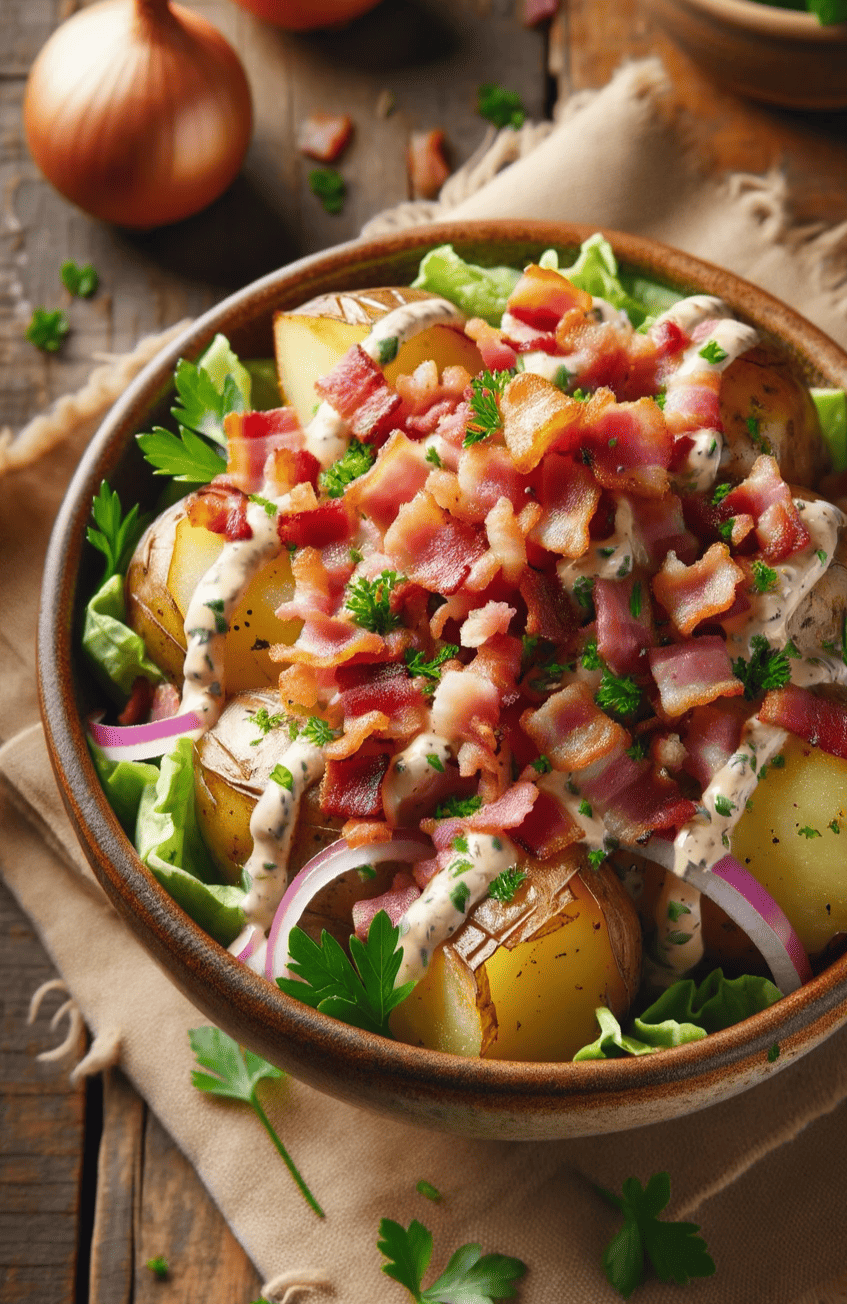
[472, 1097]
[781, 56]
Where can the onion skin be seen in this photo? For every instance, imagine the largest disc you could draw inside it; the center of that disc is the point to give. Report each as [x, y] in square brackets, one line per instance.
[139, 113]
[306, 15]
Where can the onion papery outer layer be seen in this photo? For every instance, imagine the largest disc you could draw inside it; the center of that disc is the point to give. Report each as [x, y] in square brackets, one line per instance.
[748, 904]
[323, 869]
[140, 742]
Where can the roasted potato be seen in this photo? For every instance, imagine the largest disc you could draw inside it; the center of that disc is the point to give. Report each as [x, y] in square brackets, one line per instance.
[232, 763]
[522, 980]
[792, 839]
[312, 338]
[170, 559]
[766, 408]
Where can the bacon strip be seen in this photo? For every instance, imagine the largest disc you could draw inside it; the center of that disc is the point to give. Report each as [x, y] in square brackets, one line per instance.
[221, 508]
[358, 391]
[571, 730]
[814, 719]
[624, 624]
[569, 496]
[431, 547]
[352, 787]
[691, 594]
[766, 497]
[693, 673]
[548, 828]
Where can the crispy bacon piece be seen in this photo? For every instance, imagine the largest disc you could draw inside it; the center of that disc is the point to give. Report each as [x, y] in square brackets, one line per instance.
[507, 812]
[496, 353]
[395, 902]
[630, 447]
[485, 475]
[326, 523]
[537, 417]
[542, 297]
[253, 436]
[499, 661]
[625, 629]
[364, 833]
[358, 391]
[221, 508]
[549, 614]
[692, 402]
[400, 470]
[766, 497]
[385, 687]
[548, 829]
[431, 547]
[598, 352]
[327, 641]
[571, 730]
[569, 496]
[507, 537]
[426, 164]
[486, 622]
[712, 735]
[661, 529]
[693, 673]
[324, 136]
[691, 594]
[138, 704]
[352, 787]
[633, 799]
[465, 706]
[814, 719]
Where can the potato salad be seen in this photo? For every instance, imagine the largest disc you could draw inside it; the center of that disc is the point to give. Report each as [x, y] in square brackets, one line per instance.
[491, 639]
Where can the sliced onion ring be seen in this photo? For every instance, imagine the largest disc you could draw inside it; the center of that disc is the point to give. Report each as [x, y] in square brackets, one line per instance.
[323, 869]
[250, 947]
[139, 742]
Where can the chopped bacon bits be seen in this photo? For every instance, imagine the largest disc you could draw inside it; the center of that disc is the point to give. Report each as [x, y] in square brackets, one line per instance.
[691, 594]
[426, 163]
[817, 720]
[693, 673]
[324, 136]
[352, 787]
[571, 730]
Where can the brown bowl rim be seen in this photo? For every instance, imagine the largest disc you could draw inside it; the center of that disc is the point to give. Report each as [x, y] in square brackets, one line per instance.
[308, 1043]
[770, 20]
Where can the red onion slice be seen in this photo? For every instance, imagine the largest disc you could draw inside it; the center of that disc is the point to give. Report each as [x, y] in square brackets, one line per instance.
[250, 947]
[322, 870]
[140, 742]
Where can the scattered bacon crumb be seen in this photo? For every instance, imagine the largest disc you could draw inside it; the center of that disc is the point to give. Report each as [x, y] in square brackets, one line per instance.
[325, 136]
[427, 167]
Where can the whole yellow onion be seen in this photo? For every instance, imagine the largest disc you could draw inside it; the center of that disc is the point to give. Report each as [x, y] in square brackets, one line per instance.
[138, 111]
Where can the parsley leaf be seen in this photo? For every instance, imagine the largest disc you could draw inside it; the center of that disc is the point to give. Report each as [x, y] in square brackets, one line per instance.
[264, 723]
[457, 807]
[501, 107]
[48, 330]
[79, 281]
[317, 731]
[235, 1074]
[674, 1250]
[469, 1278]
[506, 884]
[330, 188]
[116, 535]
[712, 352]
[765, 577]
[202, 406]
[362, 996]
[356, 460]
[369, 602]
[618, 693]
[158, 1267]
[429, 670]
[767, 668]
[486, 419]
[186, 457]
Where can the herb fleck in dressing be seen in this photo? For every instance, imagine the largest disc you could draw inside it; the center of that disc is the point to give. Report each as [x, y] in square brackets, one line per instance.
[444, 905]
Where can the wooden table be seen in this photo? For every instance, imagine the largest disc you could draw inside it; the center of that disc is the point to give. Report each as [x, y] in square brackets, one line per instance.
[90, 1185]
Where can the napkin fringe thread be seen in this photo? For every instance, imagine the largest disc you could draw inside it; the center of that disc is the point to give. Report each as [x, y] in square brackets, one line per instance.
[285, 1288]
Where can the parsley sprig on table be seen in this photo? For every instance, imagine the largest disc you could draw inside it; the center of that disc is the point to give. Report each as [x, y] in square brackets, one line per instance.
[115, 535]
[330, 188]
[356, 460]
[486, 419]
[469, 1278]
[360, 991]
[81, 282]
[47, 330]
[369, 602]
[501, 107]
[235, 1074]
[674, 1250]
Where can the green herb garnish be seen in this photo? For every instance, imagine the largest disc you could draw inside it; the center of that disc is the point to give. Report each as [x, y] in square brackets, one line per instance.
[469, 1278]
[806, 832]
[79, 281]
[712, 352]
[237, 1074]
[283, 776]
[720, 493]
[417, 665]
[500, 107]
[318, 731]
[185, 457]
[618, 693]
[369, 602]
[435, 761]
[330, 188]
[158, 1266]
[48, 330]
[116, 535]
[506, 884]
[270, 508]
[264, 723]
[357, 459]
[457, 807]
[723, 805]
[764, 577]
[541, 765]
[767, 668]
[673, 1249]
[486, 419]
[360, 991]
[428, 1191]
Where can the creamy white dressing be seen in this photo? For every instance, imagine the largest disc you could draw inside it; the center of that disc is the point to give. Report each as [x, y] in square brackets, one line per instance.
[699, 468]
[272, 827]
[728, 338]
[688, 313]
[444, 905]
[608, 559]
[411, 770]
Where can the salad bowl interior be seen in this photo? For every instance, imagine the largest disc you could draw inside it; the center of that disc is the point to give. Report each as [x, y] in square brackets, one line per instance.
[477, 1097]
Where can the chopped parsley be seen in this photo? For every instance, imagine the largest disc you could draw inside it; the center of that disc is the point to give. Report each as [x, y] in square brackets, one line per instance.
[806, 832]
[675, 909]
[590, 656]
[432, 456]
[499, 106]
[460, 895]
[270, 508]
[369, 603]
[618, 693]
[356, 460]
[433, 759]
[485, 419]
[318, 732]
[720, 493]
[428, 1191]
[81, 282]
[264, 723]
[418, 666]
[773, 1053]
[723, 805]
[583, 591]
[541, 765]
[635, 600]
[48, 330]
[821, 556]
[777, 762]
[765, 577]
[506, 884]
[158, 1266]
[767, 668]
[596, 858]
[638, 750]
[713, 353]
[725, 529]
[834, 826]
[330, 188]
[585, 808]
[457, 807]
[283, 776]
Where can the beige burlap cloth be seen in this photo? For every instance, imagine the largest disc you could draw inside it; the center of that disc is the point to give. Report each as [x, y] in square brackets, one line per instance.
[765, 1174]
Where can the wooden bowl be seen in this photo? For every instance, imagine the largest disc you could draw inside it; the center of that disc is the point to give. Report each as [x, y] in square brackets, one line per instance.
[781, 56]
[472, 1097]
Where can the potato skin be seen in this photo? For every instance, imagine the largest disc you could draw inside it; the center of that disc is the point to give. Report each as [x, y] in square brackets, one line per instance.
[766, 407]
[150, 606]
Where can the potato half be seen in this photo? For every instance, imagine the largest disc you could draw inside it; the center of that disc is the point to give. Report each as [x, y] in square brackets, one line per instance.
[766, 408]
[521, 981]
[232, 764]
[312, 338]
[165, 569]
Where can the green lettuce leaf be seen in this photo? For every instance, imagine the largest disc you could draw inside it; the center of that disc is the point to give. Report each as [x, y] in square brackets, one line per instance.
[831, 405]
[116, 654]
[264, 384]
[168, 840]
[478, 291]
[221, 363]
[686, 1012]
[596, 270]
[123, 783]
